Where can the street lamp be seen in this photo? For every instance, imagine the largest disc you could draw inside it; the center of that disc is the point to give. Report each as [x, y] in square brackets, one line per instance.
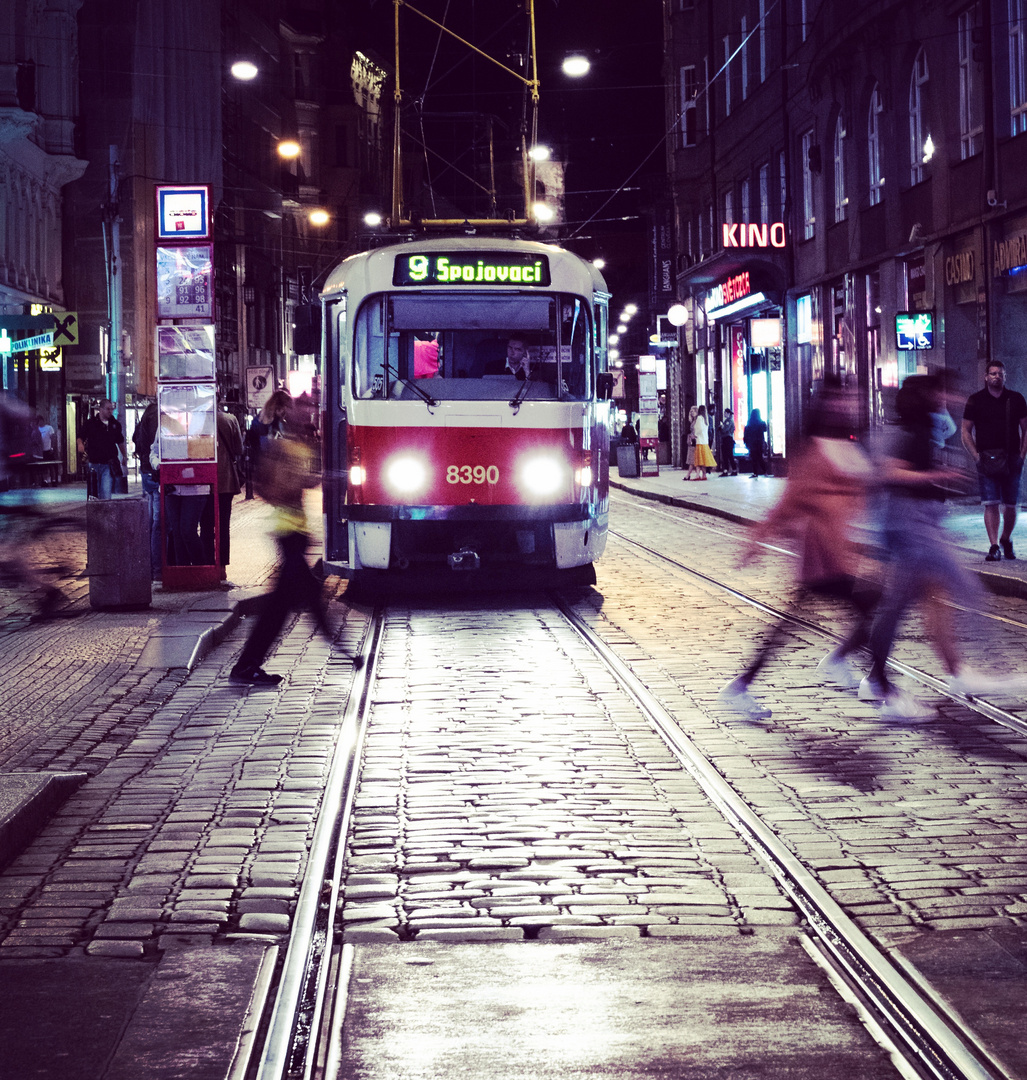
[373, 219]
[244, 70]
[576, 65]
[539, 153]
[319, 217]
[289, 149]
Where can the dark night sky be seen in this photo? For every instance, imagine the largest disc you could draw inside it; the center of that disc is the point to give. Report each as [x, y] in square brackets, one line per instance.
[605, 126]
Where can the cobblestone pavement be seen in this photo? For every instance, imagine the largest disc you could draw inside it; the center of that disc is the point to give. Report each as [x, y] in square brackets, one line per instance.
[201, 796]
[511, 789]
[910, 827]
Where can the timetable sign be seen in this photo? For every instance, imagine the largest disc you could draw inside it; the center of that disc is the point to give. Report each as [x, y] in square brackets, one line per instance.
[183, 212]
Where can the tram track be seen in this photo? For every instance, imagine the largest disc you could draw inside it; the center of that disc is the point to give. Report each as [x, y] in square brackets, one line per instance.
[305, 1019]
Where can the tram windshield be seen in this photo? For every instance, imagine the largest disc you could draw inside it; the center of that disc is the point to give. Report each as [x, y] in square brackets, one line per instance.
[483, 347]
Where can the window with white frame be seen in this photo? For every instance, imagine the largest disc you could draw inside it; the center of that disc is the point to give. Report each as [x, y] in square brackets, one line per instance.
[689, 92]
[874, 146]
[921, 146]
[745, 58]
[727, 74]
[763, 39]
[808, 216]
[764, 193]
[729, 207]
[971, 103]
[746, 201]
[1017, 67]
[840, 198]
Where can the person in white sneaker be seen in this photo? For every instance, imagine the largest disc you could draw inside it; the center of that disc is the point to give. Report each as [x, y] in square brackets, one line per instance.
[824, 495]
[922, 567]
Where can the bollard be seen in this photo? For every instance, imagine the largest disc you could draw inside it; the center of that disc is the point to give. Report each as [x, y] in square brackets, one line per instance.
[118, 553]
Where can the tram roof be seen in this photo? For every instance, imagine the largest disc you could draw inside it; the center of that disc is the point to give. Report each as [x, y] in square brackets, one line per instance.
[370, 271]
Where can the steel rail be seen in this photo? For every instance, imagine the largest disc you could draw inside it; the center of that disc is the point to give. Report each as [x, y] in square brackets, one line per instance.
[917, 1023]
[291, 1044]
[977, 704]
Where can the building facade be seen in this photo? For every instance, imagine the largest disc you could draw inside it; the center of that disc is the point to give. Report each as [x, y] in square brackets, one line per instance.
[103, 100]
[857, 174]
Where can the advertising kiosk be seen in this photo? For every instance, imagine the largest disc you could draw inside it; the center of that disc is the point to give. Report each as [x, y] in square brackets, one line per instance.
[186, 388]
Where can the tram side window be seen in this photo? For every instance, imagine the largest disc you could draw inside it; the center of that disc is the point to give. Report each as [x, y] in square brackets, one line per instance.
[369, 351]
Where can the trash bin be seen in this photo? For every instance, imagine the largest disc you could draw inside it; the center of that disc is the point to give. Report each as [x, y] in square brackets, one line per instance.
[118, 553]
[627, 459]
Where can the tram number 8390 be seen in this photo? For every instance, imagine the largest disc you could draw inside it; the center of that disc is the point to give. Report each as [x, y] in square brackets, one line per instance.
[472, 474]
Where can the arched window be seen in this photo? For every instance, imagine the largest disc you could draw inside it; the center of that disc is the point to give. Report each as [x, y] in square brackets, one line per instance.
[921, 146]
[840, 198]
[874, 145]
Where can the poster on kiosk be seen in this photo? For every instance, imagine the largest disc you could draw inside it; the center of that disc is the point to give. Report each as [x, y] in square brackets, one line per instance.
[187, 445]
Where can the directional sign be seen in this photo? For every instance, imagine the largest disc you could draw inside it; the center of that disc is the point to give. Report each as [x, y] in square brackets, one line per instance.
[66, 328]
[42, 341]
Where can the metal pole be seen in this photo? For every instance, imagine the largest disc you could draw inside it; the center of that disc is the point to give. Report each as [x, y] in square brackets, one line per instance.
[115, 383]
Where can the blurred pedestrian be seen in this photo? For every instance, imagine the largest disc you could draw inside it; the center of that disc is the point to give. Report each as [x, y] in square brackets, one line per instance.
[824, 495]
[728, 465]
[267, 425]
[702, 456]
[143, 439]
[921, 565]
[995, 436]
[102, 441]
[229, 454]
[755, 438]
[284, 475]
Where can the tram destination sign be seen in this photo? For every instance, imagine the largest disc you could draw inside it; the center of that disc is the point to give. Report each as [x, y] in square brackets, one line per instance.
[472, 268]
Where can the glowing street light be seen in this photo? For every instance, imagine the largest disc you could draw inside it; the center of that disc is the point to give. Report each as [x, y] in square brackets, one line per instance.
[599, 263]
[630, 309]
[543, 212]
[319, 217]
[677, 315]
[244, 70]
[373, 219]
[289, 149]
[575, 66]
[539, 153]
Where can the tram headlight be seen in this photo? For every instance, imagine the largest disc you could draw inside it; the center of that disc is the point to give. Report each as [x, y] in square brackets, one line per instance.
[357, 475]
[406, 475]
[543, 475]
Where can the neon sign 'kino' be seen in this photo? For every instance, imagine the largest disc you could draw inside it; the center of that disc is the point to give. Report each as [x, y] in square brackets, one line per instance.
[749, 235]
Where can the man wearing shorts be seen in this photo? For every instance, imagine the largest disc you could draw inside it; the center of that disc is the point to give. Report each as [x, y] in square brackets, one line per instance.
[995, 436]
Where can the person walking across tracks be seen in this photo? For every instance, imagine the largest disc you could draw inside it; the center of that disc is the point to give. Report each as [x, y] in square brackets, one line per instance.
[824, 495]
[995, 436]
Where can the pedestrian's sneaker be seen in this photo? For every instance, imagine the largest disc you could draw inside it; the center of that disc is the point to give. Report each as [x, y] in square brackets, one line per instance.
[970, 683]
[871, 690]
[1007, 549]
[254, 676]
[898, 705]
[994, 554]
[836, 669]
[736, 697]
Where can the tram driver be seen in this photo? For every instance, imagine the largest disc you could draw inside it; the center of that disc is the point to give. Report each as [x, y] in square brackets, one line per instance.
[517, 361]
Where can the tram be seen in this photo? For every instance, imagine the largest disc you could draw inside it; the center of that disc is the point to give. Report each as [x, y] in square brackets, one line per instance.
[466, 410]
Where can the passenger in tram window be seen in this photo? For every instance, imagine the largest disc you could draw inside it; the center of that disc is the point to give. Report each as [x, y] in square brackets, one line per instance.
[824, 496]
[426, 357]
[517, 361]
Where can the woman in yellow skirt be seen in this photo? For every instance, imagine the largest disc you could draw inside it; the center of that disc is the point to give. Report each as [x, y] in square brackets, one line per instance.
[704, 458]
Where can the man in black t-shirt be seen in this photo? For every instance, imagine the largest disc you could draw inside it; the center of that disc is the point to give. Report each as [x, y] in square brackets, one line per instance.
[102, 440]
[995, 436]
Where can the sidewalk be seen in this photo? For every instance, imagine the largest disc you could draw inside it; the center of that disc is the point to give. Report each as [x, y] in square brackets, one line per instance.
[744, 500]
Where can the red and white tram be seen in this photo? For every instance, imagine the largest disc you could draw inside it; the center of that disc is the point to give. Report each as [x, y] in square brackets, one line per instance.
[438, 455]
